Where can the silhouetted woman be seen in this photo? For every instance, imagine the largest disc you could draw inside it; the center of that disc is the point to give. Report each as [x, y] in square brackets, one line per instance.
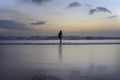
[60, 36]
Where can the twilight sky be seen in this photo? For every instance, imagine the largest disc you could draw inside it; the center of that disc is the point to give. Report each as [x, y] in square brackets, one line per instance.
[47, 17]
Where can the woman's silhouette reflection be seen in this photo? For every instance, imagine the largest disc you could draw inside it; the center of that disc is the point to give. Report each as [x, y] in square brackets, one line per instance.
[60, 52]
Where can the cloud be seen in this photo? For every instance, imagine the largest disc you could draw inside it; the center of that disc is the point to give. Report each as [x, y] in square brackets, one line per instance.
[111, 17]
[7, 11]
[10, 24]
[39, 23]
[74, 4]
[36, 1]
[88, 5]
[99, 9]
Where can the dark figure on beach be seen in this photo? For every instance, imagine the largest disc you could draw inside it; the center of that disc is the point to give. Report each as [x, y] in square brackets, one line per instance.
[60, 36]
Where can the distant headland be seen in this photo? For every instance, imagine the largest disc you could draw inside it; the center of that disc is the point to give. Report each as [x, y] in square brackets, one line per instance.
[56, 38]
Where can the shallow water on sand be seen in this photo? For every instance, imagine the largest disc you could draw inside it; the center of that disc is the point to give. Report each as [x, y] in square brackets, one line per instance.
[60, 62]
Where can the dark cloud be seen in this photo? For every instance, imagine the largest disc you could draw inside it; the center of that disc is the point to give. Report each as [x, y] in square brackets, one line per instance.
[99, 9]
[111, 17]
[92, 11]
[10, 24]
[36, 1]
[74, 4]
[39, 23]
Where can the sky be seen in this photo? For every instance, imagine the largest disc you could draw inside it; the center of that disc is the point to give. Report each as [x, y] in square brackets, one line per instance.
[47, 17]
